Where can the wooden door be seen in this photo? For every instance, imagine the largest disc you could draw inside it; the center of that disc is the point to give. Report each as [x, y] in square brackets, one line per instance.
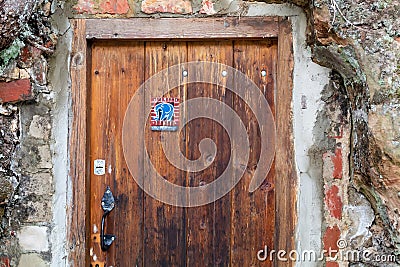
[227, 232]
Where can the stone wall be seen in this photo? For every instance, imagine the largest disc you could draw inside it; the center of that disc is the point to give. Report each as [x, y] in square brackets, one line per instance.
[360, 40]
[26, 175]
[356, 134]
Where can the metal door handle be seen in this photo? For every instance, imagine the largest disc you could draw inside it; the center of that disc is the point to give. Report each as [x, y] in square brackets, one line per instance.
[107, 204]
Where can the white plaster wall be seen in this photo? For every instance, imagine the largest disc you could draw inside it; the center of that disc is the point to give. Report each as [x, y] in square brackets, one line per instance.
[60, 82]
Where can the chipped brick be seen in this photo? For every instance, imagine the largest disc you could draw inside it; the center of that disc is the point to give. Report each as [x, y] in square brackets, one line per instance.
[207, 7]
[332, 264]
[102, 7]
[334, 202]
[114, 6]
[337, 164]
[167, 6]
[85, 6]
[15, 91]
[331, 237]
[4, 262]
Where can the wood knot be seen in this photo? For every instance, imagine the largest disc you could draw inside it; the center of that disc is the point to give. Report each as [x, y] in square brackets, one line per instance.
[77, 59]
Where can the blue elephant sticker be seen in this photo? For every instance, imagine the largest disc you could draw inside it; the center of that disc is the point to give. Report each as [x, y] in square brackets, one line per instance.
[164, 111]
[164, 114]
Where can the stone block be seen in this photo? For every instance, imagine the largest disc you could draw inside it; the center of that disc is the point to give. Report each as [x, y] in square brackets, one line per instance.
[39, 211]
[207, 7]
[211, 7]
[85, 6]
[15, 91]
[167, 6]
[40, 184]
[44, 157]
[23, 74]
[33, 238]
[32, 260]
[38, 71]
[40, 127]
[333, 164]
[360, 219]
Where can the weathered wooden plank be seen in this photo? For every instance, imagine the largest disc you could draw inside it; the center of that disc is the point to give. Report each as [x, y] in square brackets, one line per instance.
[115, 80]
[286, 184]
[209, 226]
[123, 77]
[77, 206]
[253, 214]
[179, 28]
[164, 225]
[99, 124]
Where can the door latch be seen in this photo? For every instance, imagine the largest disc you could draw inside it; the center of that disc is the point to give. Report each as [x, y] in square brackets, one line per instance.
[107, 204]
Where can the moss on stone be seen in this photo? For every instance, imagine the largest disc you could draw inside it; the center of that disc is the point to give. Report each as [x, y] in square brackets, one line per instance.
[10, 53]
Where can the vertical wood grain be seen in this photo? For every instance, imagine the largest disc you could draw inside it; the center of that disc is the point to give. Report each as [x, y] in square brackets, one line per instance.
[286, 180]
[117, 74]
[128, 215]
[209, 226]
[99, 122]
[76, 210]
[149, 233]
[164, 225]
[253, 215]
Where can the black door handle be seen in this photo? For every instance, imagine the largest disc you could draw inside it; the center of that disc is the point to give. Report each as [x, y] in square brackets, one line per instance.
[107, 204]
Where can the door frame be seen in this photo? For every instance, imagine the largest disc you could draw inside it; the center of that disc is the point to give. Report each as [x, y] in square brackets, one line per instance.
[85, 30]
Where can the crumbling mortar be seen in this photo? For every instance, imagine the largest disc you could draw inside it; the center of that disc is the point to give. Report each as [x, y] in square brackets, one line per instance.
[21, 208]
[345, 59]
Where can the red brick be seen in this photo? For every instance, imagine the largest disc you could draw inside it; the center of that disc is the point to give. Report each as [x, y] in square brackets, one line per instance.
[337, 164]
[15, 91]
[114, 6]
[334, 202]
[331, 237]
[332, 264]
[4, 262]
[102, 6]
[166, 6]
[85, 6]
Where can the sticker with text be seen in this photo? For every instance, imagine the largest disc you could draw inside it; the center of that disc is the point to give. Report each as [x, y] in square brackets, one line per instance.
[164, 114]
